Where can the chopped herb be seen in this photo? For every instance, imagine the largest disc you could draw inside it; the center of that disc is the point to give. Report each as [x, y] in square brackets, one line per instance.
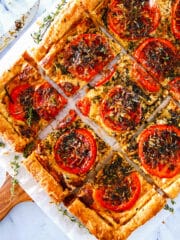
[2, 144]
[38, 36]
[31, 116]
[170, 209]
[62, 68]
[67, 214]
[28, 149]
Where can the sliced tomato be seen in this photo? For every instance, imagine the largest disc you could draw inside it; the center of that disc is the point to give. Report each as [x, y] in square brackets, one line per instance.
[120, 109]
[119, 197]
[133, 19]
[86, 55]
[68, 120]
[159, 150]
[21, 98]
[106, 75]
[144, 79]
[47, 101]
[158, 56]
[175, 19]
[69, 88]
[175, 88]
[75, 151]
[84, 105]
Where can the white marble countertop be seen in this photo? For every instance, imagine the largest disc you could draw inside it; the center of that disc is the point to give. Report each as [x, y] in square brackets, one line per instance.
[27, 221]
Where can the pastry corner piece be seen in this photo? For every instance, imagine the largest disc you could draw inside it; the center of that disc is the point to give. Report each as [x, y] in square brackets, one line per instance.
[117, 202]
[45, 179]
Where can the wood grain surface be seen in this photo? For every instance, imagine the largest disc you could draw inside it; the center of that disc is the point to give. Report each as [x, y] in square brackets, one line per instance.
[9, 200]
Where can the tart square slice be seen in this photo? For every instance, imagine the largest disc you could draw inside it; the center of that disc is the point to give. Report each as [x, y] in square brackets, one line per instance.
[157, 149]
[81, 53]
[27, 102]
[117, 202]
[134, 21]
[64, 158]
[118, 103]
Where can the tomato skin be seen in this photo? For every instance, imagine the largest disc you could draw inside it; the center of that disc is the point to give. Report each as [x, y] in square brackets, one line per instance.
[71, 164]
[68, 88]
[84, 106]
[47, 101]
[161, 169]
[121, 19]
[175, 19]
[144, 80]
[109, 111]
[15, 107]
[106, 78]
[68, 120]
[174, 86]
[157, 69]
[135, 186]
[86, 55]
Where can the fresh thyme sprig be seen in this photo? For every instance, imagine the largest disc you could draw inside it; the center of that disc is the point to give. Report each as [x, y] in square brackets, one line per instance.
[2, 144]
[15, 166]
[67, 214]
[168, 208]
[37, 36]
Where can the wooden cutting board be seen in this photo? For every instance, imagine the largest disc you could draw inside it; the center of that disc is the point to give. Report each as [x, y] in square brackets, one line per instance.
[9, 200]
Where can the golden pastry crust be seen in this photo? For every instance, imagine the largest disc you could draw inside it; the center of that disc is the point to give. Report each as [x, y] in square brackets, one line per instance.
[24, 72]
[46, 180]
[118, 226]
[45, 158]
[53, 59]
[63, 22]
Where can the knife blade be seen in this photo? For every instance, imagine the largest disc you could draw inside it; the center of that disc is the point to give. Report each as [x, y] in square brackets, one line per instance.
[14, 27]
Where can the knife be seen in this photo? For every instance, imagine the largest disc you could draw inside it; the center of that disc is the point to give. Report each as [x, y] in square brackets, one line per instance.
[14, 23]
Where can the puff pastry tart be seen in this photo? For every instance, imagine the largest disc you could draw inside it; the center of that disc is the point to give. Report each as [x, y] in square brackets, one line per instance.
[95, 109]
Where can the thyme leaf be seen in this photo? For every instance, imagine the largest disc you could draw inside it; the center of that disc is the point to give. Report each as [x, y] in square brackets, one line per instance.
[168, 208]
[15, 166]
[2, 144]
[38, 36]
[67, 214]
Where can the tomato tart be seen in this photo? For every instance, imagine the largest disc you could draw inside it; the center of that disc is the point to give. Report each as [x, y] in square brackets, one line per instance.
[120, 104]
[78, 55]
[62, 160]
[116, 202]
[104, 78]
[28, 102]
[131, 22]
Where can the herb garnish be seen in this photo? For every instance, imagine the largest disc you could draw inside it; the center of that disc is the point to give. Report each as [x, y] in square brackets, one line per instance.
[15, 166]
[2, 144]
[28, 149]
[170, 209]
[67, 214]
[38, 36]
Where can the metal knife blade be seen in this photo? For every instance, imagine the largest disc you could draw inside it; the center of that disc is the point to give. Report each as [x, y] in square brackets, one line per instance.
[19, 24]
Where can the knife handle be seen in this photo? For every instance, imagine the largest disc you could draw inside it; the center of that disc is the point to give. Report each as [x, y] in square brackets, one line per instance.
[7, 200]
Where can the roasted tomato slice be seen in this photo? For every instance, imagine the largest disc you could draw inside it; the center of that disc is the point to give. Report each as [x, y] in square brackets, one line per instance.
[175, 19]
[47, 101]
[158, 56]
[75, 151]
[159, 150]
[84, 106]
[86, 55]
[68, 88]
[175, 88]
[21, 99]
[106, 75]
[120, 196]
[143, 79]
[132, 19]
[120, 110]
